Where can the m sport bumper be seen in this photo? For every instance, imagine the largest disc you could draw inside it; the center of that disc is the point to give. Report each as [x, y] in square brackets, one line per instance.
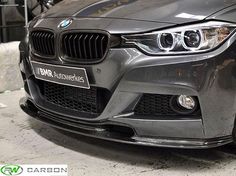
[130, 97]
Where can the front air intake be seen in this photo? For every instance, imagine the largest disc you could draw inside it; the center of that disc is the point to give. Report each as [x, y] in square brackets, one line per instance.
[162, 105]
[89, 102]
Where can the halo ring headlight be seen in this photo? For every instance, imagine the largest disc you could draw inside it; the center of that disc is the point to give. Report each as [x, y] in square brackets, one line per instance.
[192, 39]
[166, 41]
[186, 39]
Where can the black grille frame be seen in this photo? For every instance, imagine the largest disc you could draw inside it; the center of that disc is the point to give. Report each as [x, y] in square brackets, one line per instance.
[81, 60]
[37, 46]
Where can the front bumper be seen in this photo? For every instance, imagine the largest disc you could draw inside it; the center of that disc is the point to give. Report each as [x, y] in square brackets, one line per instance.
[128, 74]
[103, 131]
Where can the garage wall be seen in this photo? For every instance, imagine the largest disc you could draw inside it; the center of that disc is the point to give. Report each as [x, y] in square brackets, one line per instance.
[13, 18]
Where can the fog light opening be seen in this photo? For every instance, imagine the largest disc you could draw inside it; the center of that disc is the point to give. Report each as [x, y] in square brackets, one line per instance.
[184, 104]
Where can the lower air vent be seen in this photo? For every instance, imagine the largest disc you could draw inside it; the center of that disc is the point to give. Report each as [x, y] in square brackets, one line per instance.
[159, 105]
[87, 101]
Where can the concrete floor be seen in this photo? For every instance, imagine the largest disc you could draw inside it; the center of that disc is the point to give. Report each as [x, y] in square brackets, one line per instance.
[26, 141]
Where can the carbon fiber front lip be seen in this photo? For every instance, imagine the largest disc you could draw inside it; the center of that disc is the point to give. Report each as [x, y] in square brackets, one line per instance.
[93, 130]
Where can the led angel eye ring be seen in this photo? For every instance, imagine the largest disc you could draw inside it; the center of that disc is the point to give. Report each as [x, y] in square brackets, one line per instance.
[166, 41]
[192, 39]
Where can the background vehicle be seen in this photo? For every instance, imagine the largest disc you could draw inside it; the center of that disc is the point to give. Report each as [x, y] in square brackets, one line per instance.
[35, 7]
[12, 16]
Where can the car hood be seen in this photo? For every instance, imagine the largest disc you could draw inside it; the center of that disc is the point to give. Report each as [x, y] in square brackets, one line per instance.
[169, 11]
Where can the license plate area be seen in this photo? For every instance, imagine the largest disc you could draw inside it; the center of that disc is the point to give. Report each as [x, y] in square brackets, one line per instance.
[70, 76]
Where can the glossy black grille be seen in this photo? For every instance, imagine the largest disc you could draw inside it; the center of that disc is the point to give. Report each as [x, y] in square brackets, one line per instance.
[43, 42]
[90, 101]
[84, 47]
[154, 104]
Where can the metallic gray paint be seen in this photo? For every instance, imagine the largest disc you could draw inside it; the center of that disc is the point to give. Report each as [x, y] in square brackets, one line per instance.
[148, 10]
[129, 73]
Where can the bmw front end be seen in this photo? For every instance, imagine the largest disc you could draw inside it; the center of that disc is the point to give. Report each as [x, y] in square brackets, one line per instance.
[155, 73]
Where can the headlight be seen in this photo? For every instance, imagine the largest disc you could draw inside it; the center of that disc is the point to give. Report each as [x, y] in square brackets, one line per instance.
[187, 39]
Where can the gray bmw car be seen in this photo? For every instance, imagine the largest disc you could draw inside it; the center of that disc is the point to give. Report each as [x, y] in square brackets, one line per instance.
[148, 72]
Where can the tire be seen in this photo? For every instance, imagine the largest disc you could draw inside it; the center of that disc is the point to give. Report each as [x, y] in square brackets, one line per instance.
[35, 7]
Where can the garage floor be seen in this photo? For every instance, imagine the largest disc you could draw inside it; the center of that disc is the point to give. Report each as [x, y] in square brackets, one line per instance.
[26, 141]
